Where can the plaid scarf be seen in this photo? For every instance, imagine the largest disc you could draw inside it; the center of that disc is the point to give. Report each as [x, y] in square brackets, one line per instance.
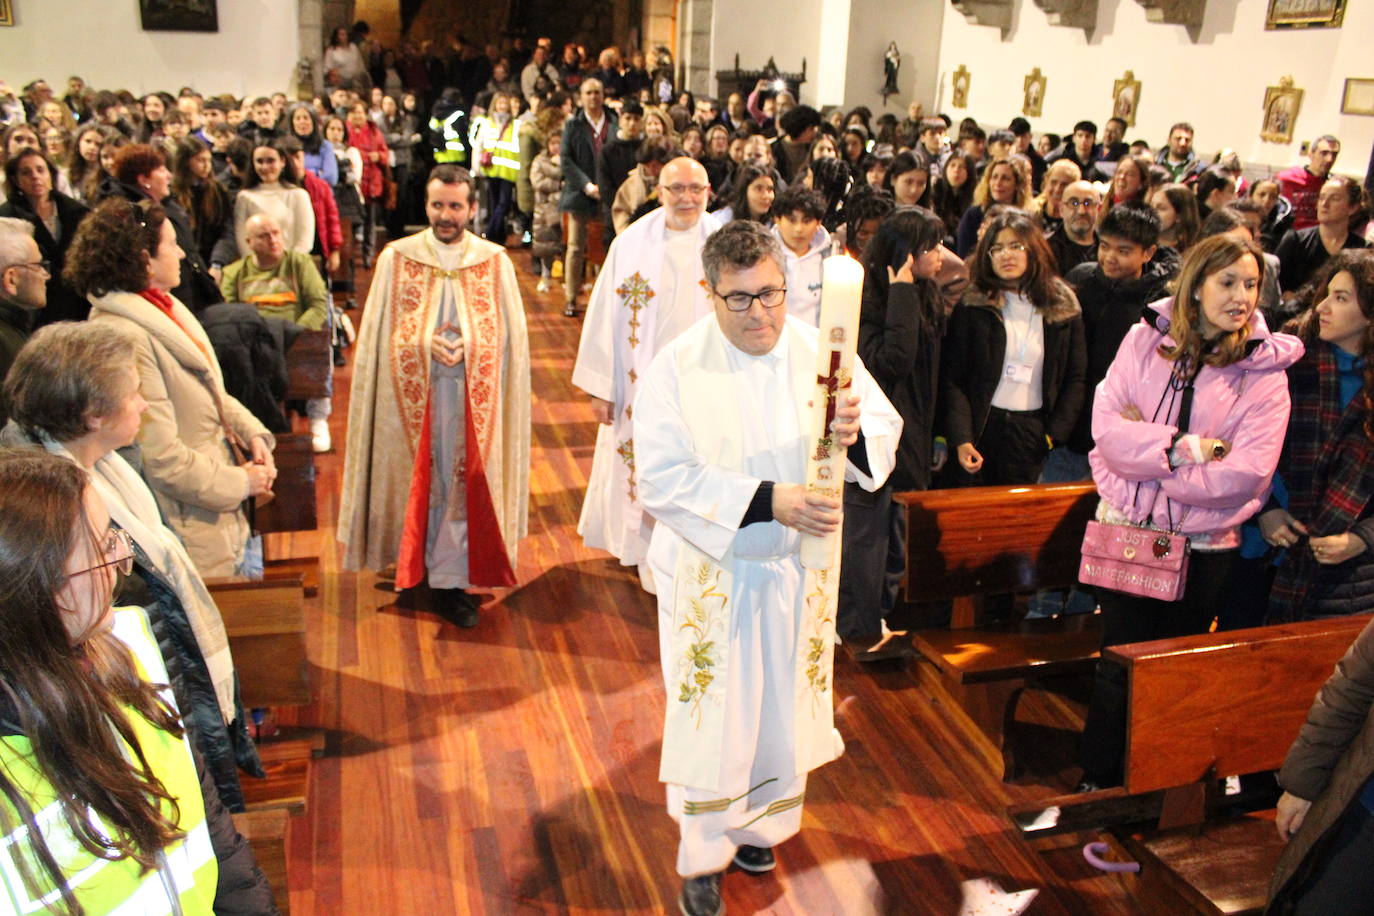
[1328, 468]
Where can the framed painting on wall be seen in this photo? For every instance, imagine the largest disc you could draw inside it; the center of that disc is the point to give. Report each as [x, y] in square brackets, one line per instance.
[6, 13]
[959, 94]
[1034, 88]
[179, 15]
[1126, 98]
[1281, 104]
[1304, 14]
[1358, 97]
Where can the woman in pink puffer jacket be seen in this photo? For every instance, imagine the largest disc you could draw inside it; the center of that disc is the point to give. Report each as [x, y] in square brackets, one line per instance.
[1202, 481]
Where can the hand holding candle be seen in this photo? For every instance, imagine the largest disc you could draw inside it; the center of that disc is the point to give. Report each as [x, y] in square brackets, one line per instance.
[842, 280]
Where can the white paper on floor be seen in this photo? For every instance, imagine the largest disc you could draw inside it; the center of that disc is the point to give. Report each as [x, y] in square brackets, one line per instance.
[985, 897]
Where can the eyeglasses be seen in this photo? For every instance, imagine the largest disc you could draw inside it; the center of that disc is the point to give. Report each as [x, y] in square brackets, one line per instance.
[1013, 248]
[1085, 204]
[743, 302]
[117, 540]
[43, 265]
[678, 190]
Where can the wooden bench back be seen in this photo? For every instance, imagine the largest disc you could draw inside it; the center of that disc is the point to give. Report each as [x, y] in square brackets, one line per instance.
[265, 622]
[293, 507]
[1222, 704]
[994, 540]
[309, 365]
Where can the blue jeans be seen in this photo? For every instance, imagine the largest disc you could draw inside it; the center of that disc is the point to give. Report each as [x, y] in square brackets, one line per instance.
[1062, 465]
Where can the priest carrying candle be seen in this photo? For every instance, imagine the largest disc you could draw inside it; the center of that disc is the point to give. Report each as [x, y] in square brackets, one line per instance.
[746, 427]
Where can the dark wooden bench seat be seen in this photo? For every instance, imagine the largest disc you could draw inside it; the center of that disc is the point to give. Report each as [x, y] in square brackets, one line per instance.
[1202, 708]
[966, 545]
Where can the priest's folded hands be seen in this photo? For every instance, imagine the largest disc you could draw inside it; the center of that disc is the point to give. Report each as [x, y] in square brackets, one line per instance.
[812, 513]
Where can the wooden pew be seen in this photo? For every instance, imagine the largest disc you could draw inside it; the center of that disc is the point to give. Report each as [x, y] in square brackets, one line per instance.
[265, 622]
[293, 505]
[265, 832]
[969, 544]
[1203, 708]
[309, 364]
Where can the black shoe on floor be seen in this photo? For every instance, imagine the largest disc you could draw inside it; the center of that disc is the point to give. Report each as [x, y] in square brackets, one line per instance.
[701, 896]
[1085, 786]
[456, 605]
[755, 859]
[570, 310]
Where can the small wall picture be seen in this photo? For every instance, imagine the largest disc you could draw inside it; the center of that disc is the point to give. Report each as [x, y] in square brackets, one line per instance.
[1281, 104]
[1305, 14]
[6, 13]
[1358, 98]
[1126, 98]
[1033, 102]
[959, 95]
[179, 15]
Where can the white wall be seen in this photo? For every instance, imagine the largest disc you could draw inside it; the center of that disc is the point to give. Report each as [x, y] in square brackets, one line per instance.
[1216, 83]
[787, 32]
[255, 50]
[916, 27]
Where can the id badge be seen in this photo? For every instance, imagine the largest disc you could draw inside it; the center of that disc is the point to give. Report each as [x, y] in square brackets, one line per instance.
[1017, 372]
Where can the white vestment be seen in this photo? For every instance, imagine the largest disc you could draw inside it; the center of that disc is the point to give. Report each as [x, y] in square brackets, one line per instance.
[746, 646]
[650, 289]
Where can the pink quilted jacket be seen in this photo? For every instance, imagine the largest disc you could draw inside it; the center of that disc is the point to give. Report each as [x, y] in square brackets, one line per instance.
[1245, 404]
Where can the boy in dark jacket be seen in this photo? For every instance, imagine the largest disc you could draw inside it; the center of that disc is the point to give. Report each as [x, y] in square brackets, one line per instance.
[1112, 292]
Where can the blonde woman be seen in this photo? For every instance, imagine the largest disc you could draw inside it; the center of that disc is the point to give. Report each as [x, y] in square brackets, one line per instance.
[1004, 181]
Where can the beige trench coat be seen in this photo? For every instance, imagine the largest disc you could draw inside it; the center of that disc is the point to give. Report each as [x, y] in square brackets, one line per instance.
[185, 455]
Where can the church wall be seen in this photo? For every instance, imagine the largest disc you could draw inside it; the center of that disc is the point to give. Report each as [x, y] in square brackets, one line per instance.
[1217, 83]
[254, 51]
[916, 27]
[759, 30]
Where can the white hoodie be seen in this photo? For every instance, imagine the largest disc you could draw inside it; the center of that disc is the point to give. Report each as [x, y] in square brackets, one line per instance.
[804, 276]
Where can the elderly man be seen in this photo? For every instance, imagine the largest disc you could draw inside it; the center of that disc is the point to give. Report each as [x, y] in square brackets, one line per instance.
[649, 291]
[282, 284]
[1075, 242]
[747, 634]
[23, 291]
[436, 472]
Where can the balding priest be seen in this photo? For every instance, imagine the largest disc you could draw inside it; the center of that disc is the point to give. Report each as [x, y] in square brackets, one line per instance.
[436, 470]
[722, 426]
[649, 290]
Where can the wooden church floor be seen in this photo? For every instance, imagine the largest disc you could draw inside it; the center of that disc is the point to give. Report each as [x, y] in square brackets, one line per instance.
[512, 768]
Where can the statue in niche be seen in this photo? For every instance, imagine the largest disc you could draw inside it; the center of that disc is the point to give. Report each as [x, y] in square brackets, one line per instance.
[892, 61]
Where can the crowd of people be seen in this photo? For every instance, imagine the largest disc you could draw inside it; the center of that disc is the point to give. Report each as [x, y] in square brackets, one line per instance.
[1192, 337]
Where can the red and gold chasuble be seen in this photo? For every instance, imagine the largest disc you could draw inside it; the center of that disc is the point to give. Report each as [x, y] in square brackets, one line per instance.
[414, 296]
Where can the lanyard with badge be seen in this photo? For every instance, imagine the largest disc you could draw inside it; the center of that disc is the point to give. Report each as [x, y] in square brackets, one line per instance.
[1018, 370]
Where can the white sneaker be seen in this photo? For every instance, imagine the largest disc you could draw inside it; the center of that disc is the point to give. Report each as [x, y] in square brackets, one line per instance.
[319, 435]
[542, 286]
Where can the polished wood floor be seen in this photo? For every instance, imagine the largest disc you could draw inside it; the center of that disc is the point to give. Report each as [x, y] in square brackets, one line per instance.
[512, 768]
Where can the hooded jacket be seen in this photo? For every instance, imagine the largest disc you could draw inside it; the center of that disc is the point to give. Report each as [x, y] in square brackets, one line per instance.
[975, 350]
[1245, 404]
[1110, 308]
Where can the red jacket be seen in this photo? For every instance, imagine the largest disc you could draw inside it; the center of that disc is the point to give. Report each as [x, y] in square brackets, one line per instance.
[370, 140]
[326, 214]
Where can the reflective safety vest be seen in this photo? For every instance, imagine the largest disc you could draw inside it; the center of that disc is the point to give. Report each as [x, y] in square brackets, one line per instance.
[454, 149]
[183, 881]
[500, 150]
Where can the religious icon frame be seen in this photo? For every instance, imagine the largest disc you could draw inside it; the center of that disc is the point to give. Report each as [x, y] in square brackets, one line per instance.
[1357, 98]
[1281, 106]
[1304, 14]
[6, 12]
[959, 86]
[183, 16]
[1033, 94]
[1126, 98]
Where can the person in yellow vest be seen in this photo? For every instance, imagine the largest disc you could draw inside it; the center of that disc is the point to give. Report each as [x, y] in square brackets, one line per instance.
[498, 157]
[448, 129]
[102, 808]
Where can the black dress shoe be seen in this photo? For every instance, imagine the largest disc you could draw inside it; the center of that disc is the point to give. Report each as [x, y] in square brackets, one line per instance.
[570, 310]
[1085, 786]
[456, 605]
[755, 859]
[701, 896]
